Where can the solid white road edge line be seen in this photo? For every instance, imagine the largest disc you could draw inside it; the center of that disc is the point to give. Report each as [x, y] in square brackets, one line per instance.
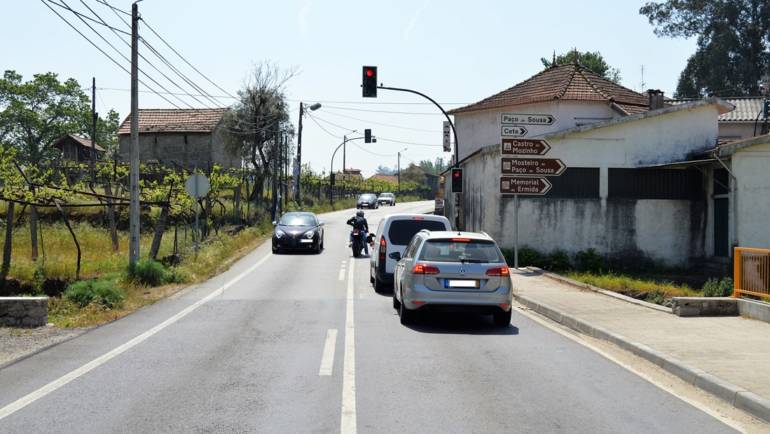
[93, 364]
[348, 416]
[577, 339]
[327, 358]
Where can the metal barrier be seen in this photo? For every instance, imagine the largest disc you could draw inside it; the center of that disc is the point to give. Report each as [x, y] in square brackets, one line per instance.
[751, 272]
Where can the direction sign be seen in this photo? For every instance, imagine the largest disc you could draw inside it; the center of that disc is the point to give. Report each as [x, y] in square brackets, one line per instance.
[526, 119]
[197, 185]
[525, 147]
[525, 186]
[447, 135]
[533, 166]
[507, 131]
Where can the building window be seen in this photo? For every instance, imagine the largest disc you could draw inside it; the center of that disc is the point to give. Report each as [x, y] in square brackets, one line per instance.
[672, 184]
[575, 183]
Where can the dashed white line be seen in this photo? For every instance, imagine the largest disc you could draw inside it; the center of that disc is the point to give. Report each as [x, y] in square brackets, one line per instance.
[341, 277]
[327, 358]
[104, 358]
[348, 416]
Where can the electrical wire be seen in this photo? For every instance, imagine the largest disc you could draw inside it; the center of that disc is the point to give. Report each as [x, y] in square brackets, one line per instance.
[114, 29]
[385, 139]
[312, 118]
[128, 44]
[378, 102]
[165, 93]
[102, 50]
[114, 9]
[372, 152]
[421, 130]
[384, 111]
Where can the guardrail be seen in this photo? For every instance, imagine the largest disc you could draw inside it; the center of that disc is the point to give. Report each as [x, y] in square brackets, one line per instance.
[751, 272]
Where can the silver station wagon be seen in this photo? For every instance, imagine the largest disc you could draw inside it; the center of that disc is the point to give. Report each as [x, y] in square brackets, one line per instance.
[452, 270]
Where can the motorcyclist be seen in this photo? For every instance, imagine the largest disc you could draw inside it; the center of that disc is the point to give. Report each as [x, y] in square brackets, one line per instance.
[359, 222]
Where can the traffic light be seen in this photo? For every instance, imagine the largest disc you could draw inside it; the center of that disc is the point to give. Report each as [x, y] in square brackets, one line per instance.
[369, 83]
[457, 180]
[368, 135]
[766, 108]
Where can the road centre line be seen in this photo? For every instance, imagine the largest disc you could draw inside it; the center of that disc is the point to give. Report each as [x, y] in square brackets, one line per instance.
[104, 358]
[327, 358]
[341, 277]
[348, 413]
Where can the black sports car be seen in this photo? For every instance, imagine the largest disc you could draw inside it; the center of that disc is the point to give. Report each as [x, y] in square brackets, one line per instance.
[298, 231]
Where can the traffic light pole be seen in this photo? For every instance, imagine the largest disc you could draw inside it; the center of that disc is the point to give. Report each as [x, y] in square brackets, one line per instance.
[331, 166]
[297, 185]
[454, 132]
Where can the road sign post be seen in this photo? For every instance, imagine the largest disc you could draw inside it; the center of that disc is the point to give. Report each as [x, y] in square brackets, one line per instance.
[197, 186]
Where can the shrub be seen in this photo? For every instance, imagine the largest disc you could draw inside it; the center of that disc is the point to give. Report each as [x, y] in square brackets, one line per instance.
[589, 260]
[558, 260]
[718, 287]
[104, 292]
[148, 272]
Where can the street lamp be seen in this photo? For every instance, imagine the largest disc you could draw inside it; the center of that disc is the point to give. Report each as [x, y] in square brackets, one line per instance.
[399, 168]
[297, 184]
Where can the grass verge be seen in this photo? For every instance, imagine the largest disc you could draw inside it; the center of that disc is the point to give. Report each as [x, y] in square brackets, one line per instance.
[651, 290]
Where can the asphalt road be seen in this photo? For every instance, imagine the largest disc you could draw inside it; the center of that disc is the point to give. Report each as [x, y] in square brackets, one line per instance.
[301, 343]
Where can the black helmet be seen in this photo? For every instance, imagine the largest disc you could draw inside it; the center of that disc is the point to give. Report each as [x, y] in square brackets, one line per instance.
[359, 213]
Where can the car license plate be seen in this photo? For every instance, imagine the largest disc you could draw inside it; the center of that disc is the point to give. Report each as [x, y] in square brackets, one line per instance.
[305, 241]
[462, 283]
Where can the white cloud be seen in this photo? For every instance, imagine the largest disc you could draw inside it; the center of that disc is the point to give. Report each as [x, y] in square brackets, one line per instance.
[302, 16]
[415, 19]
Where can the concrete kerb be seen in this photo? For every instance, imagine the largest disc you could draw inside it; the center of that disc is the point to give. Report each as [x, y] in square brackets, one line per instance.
[585, 286]
[728, 392]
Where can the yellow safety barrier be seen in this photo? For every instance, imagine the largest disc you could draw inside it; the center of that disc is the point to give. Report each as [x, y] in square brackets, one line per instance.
[751, 272]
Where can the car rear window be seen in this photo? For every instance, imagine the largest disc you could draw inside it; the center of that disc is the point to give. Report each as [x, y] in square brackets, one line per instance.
[402, 231]
[460, 250]
[366, 197]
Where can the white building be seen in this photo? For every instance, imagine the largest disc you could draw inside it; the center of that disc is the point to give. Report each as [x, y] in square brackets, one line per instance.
[644, 179]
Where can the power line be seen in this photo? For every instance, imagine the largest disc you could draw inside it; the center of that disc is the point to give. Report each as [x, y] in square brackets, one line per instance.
[128, 44]
[407, 143]
[421, 130]
[322, 127]
[383, 111]
[372, 152]
[114, 9]
[165, 93]
[102, 50]
[89, 18]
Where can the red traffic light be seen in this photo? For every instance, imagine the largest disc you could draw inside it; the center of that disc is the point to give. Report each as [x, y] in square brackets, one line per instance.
[457, 174]
[369, 72]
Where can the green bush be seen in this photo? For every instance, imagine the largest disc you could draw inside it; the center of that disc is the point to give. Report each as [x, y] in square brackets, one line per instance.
[718, 287]
[104, 292]
[148, 272]
[589, 260]
[558, 260]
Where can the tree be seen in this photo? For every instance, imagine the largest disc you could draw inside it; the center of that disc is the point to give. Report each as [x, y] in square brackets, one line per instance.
[433, 167]
[257, 119]
[35, 113]
[413, 173]
[593, 61]
[383, 170]
[732, 56]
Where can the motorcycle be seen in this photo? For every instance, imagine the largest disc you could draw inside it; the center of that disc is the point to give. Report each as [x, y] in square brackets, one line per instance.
[358, 242]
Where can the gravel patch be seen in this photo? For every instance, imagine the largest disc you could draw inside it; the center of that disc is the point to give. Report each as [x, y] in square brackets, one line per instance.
[16, 342]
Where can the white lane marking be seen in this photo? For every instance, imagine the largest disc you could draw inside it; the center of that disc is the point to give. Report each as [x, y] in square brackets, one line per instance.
[327, 359]
[348, 417]
[104, 358]
[576, 338]
[341, 277]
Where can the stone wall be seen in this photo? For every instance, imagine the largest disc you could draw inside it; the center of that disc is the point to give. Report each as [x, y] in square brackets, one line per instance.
[23, 311]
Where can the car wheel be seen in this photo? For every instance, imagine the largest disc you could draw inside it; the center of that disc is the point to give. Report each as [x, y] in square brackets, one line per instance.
[405, 315]
[502, 318]
[396, 304]
[276, 250]
[318, 248]
[378, 285]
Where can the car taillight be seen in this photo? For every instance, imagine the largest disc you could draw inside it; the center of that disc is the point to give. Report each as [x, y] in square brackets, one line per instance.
[383, 248]
[424, 269]
[499, 271]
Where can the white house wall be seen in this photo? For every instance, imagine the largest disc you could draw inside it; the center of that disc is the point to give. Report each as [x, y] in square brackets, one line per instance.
[750, 166]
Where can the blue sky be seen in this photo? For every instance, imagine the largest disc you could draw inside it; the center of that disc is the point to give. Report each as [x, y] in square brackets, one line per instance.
[455, 51]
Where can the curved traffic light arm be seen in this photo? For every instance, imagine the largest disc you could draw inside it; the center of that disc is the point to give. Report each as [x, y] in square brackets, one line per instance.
[454, 131]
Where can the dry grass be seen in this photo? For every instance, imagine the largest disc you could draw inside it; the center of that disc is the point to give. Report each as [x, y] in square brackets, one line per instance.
[646, 289]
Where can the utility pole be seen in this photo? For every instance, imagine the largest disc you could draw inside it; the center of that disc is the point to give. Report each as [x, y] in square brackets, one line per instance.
[399, 171]
[297, 194]
[133, 245]
[275, 173]
[344, 154]
[94, 117]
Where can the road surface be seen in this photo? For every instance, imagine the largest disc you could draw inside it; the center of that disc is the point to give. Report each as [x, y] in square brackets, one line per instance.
[301, 343]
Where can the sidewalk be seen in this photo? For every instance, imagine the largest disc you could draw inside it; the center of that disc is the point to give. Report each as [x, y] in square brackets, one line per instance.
[727, 356]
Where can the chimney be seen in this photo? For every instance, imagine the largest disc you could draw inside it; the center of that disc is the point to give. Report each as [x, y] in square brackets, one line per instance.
[656, 99]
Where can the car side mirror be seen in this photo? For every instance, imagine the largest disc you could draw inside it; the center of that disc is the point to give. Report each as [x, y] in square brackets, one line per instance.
[321, 223]
[395, 255]
[275, 223]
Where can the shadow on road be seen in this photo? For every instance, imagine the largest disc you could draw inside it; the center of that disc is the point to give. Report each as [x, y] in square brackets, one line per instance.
[460, 323]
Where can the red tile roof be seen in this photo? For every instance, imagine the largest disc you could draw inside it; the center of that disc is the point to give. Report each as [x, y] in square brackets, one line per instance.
[175, 120]
[571, 82]
[82, 141]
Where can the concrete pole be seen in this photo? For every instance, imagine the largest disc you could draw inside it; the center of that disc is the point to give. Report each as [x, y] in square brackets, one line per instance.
[94, 117]
[133, 244]
[297, 182]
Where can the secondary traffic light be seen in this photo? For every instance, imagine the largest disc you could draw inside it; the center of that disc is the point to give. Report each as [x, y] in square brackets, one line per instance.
[369, 82]
[457, 180]
[766, 108]
[368, 135]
